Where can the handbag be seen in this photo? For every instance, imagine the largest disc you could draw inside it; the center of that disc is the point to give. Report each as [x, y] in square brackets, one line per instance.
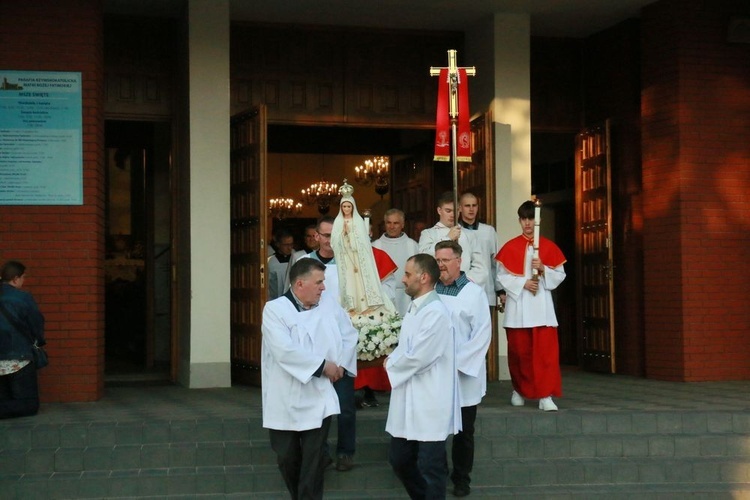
[38, 354]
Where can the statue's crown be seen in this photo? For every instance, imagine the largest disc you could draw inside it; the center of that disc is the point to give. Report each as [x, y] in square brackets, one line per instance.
[346, 190]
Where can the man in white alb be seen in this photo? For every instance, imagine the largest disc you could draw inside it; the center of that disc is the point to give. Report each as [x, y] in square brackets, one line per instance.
[471, 321]
[487, 241]
[308, 343]
[445, 229]
[399, 247]
[424, 408]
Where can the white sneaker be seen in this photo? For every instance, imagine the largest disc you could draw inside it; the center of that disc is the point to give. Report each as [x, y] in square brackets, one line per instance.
[516, 399]
[547, 404]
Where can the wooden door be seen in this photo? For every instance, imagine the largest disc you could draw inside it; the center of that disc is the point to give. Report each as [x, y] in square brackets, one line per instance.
[594, 250]
[248, 253]
[479, 178]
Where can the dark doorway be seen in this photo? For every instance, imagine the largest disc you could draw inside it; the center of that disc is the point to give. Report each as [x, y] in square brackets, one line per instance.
[138, 257]
[553, 181]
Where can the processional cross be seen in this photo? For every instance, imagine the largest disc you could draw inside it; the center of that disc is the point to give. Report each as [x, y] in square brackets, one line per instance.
[453, 94]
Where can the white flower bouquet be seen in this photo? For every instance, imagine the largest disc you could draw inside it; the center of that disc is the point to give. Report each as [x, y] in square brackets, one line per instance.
[378, 334]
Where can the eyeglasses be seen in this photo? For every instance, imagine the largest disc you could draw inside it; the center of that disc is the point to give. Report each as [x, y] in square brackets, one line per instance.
[445, 261]
[325, 235]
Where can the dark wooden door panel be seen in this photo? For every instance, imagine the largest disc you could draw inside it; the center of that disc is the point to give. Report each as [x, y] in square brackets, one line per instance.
[594, 250]
[248, 245]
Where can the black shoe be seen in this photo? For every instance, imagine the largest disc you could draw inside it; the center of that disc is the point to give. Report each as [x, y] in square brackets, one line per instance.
[461, 490]
[344, 463]
[327, 461]
[372, 402]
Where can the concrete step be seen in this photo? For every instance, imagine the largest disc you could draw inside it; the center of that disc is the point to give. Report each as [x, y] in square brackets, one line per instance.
[555, 455]
[161, 445]
[548, 478]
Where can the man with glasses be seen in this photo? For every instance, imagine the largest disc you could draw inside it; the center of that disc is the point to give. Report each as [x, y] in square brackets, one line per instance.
[347, 419]
[470, 313]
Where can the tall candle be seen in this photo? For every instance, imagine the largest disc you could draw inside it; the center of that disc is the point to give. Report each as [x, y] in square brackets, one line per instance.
[537, 222]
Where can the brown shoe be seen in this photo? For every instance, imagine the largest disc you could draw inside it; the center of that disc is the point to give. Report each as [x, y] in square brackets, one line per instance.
[344, 463]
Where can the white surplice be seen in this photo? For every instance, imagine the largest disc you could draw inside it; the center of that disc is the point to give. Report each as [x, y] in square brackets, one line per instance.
[399, 249]
[295, 344]
[472, 323]
[424, 402]
[472, 262]
[488, 244]
[523, 309]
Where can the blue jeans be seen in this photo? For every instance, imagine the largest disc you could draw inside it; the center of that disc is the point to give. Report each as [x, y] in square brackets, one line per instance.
[422, 467]
[347, 419]
[19, 393]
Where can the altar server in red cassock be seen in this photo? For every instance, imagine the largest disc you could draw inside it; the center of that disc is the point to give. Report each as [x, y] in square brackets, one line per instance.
[530, 322]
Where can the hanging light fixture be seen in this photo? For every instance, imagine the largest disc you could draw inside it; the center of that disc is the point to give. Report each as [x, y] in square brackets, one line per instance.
[374, 171]
[321, 193]
[281, 207]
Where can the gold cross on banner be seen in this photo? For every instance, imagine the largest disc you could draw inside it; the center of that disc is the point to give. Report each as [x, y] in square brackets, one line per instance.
[453, 79]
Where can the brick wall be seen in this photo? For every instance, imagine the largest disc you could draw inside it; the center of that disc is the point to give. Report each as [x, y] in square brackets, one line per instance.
[62, 246]
[696, 175]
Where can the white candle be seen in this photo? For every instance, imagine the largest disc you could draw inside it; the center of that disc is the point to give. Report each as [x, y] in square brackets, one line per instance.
[537, 221]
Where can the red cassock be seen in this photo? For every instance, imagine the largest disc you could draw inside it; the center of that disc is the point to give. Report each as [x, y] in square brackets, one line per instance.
[376, 378]
[533, 357]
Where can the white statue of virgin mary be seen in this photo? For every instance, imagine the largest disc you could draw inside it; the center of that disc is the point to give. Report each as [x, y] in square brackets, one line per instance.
[360, 290]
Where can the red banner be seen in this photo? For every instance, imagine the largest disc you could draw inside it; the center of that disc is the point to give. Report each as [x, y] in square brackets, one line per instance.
[443, 122]
[463, 139]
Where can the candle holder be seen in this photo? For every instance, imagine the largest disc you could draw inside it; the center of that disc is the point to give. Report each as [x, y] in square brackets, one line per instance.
[374, 171]
[281, 208]
[322, 194]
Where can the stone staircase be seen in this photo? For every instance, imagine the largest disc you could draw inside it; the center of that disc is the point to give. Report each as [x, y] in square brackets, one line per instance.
[520, 452]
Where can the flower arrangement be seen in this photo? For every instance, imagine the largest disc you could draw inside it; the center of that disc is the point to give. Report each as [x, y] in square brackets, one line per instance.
[378, 334]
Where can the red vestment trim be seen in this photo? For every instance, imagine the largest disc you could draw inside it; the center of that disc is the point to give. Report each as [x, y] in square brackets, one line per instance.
[513, 254]
[384, 263]
[375, 378]
[463, 138]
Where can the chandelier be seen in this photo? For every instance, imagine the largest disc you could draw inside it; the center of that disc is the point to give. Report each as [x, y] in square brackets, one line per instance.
[374, 171]
[283, 207]
[322, 194]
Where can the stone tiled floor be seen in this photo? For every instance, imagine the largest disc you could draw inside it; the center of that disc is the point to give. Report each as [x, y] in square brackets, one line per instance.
[583, 391]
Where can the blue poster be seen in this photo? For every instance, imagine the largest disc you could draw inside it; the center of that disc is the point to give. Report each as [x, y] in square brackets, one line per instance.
[41, 150]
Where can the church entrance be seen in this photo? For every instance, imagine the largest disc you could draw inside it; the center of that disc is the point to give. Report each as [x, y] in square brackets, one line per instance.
[138, 207]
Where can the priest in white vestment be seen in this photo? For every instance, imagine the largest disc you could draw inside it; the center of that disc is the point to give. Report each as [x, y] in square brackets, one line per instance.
[424, 408]
[399, 247]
